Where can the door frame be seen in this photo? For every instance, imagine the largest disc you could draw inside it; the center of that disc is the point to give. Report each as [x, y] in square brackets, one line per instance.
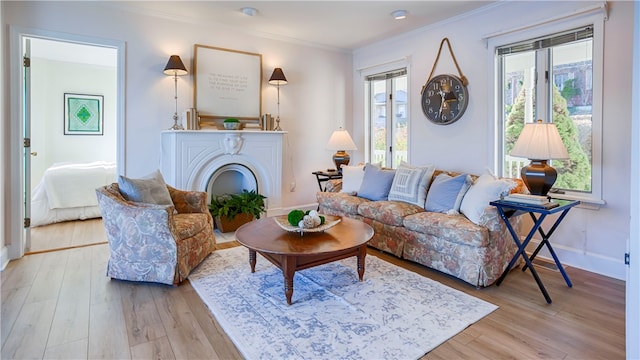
[14, 212]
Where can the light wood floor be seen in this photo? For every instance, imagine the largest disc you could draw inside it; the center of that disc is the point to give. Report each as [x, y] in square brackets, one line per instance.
[61, 305]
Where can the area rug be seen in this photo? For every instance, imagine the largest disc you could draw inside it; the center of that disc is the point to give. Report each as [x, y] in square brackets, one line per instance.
[392, 314]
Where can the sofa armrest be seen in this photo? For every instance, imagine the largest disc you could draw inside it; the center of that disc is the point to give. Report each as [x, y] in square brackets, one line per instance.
[333, 185]
[132, 226]
[187, 202]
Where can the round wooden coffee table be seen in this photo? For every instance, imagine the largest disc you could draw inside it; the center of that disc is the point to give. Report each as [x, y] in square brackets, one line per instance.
[291, 252]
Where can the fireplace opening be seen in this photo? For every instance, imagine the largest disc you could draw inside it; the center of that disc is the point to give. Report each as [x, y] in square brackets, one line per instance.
[231, 179]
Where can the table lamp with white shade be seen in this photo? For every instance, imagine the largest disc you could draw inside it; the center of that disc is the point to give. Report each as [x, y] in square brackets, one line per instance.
[341, 142]
[539, 142]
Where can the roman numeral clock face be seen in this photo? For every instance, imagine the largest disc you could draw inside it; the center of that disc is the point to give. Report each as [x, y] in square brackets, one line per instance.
[444, 99]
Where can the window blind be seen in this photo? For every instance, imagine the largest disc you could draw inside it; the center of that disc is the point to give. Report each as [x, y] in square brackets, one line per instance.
[547, 41]
[387, 75]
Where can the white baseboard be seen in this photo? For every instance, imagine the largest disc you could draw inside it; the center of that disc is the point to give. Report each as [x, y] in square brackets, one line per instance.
[606, 266]
[4, 258]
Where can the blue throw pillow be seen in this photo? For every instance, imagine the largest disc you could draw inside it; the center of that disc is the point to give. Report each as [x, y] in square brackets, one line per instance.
[376, 183]
[446, 193]
[410, 183]
[149, 190]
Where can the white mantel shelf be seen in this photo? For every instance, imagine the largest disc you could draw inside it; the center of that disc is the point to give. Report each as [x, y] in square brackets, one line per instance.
[190, 157]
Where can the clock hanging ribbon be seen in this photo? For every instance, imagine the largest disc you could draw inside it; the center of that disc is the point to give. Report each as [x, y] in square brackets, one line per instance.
[465, 82]
[445, 97]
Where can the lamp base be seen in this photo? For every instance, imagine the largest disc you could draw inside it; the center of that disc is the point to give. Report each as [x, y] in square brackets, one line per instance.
[539, 177]
[340, 158]
[176, 126]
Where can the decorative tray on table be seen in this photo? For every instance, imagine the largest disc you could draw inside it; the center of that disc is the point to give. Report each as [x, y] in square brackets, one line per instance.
[329, 222]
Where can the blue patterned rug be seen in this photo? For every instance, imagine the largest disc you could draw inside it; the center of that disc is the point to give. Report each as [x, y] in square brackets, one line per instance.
[393, 314]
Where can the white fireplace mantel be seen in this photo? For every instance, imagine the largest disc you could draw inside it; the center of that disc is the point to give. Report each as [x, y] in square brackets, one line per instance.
[190, 157]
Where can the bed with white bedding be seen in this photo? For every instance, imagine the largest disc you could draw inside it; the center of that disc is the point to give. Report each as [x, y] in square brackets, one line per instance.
[67, 192]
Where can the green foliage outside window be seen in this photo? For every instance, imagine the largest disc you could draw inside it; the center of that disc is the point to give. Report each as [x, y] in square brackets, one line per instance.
[574, 173]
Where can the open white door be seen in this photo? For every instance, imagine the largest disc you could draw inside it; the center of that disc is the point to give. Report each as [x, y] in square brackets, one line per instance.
[26, 68]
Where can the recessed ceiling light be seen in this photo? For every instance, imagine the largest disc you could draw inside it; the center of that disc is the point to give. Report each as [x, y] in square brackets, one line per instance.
[249, 11]
[399, 14]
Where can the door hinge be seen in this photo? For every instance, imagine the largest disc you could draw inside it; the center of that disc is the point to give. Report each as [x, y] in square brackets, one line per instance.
[627, 258]
[27, 222]
[27, 142]
[26, 62]
[390, 96]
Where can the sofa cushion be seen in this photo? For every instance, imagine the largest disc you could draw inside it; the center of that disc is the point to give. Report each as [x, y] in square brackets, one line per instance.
[352, 178]
[188, 225]
[446, 193]
[376, 183]
[486, 189]
[388, 212]
[342, 202]
[151, 189]
[454, 228]
[410, 183]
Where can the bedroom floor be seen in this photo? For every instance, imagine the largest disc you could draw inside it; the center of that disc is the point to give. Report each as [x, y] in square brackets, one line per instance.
[68, 234]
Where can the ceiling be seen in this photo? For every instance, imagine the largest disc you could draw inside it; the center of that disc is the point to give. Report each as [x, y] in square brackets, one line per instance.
[344, 25]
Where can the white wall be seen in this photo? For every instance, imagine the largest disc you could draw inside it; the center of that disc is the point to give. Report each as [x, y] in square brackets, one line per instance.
[591, 239]
[50, 80]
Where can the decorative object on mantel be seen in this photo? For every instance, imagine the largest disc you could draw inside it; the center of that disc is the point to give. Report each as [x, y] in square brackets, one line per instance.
[266, 122]
[176, 68]
[539, 142]
[232, 124]
[277, 78]
[341, 141]
[445, 97]
[193, 120]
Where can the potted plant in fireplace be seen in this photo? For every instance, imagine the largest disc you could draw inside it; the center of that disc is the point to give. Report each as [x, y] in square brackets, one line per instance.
[230, 211]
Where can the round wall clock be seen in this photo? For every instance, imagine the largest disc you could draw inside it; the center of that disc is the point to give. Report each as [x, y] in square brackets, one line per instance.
[444, 99]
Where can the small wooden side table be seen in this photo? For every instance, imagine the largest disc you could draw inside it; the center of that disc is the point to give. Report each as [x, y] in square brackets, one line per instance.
[508, 209]
[324, 176]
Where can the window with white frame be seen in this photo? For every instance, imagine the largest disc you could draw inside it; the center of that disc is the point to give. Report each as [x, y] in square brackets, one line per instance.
[552, 78]
[387, 117]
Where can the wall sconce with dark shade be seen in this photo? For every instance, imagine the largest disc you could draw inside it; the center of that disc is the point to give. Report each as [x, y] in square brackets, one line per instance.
[341, 141]
[278, 78]
[176, 68]
[539, 142]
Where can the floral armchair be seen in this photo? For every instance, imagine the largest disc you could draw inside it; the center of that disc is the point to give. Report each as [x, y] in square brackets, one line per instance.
[154, 243]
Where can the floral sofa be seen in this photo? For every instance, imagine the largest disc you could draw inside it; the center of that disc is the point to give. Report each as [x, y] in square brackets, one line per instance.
[155, 242]
[448, 241]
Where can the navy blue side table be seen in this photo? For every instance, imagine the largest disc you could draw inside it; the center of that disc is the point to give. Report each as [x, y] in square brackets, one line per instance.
[508, 209]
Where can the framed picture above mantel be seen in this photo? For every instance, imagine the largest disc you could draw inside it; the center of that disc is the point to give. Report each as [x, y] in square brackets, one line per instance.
[227, 84]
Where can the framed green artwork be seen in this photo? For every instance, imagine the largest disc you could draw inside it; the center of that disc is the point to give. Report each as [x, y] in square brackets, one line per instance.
[83, 114]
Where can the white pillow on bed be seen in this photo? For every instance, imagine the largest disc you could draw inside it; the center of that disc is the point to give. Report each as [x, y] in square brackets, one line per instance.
[151, 189]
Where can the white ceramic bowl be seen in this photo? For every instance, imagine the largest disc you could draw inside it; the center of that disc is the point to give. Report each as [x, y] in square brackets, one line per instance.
[232, 125]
